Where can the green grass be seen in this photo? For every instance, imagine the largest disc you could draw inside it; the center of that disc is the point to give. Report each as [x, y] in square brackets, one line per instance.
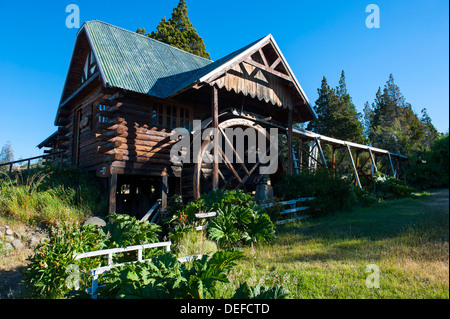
[49, 196]
[327, 257]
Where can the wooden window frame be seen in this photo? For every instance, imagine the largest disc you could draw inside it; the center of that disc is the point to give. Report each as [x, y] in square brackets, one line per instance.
[90, 65]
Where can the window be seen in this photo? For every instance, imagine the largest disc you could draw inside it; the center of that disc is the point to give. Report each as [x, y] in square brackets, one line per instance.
[90, 67]
[158, 114]
[171, 115]
[96, 117]
[185, 118]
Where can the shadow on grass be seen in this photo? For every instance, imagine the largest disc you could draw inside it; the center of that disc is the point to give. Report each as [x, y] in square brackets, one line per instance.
[364, 234]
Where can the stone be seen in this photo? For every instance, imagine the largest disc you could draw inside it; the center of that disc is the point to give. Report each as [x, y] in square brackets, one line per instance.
[9, 238]
[33, 241]
[17, 244]
[97, 221]
[7, 248]
[9, 232]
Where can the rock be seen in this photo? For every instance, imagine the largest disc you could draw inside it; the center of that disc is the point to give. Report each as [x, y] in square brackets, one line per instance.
[9, 231]
[7, 248]
[17, 244]
[9, 238]
[97, 221]
[33, 241]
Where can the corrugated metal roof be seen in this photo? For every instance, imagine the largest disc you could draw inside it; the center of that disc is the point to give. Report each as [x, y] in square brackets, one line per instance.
[138, 63]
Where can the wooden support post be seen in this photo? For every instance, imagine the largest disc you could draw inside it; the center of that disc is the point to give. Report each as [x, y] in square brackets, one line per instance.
[355, 171]
[164, 190]
[112, 193]
[300, 154]
[374, 164]
[324, 161]
[392, 165]
[215, 125]
[289, 142]
[357, 161]
[333, 160]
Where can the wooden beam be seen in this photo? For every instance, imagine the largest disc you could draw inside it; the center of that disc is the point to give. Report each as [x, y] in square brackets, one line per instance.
[289, 142]
[263, 57]
[267, 69]
[275, 63]
[333, 159]
[324, 161]
[164, 190]
[112, 193]
[355, 171]
[392, 165]
[300, 155]
[215, 125]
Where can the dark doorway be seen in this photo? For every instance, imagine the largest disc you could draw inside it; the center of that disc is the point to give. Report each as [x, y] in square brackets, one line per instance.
[135, 195]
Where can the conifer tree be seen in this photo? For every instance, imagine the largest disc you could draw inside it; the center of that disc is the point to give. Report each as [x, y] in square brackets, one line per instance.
[394, 125]
[179, 32]
[337, 115]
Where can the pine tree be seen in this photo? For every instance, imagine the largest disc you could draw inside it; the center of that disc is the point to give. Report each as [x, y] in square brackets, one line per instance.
[337, 115]
[179, 32]
[394, 125]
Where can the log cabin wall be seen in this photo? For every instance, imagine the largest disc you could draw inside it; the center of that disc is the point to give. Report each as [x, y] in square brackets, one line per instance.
[134, 134]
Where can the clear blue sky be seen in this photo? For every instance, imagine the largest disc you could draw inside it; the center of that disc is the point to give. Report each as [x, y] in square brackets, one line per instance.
[318, 38]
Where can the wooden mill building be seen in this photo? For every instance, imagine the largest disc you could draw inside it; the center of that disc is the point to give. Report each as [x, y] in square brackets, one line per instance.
[125, 92]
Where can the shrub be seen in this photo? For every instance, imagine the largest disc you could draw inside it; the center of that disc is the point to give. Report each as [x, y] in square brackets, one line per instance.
[388, 187]
[432, 167]
[166, 277]
[239, 219]
[332, 193]
[47, 272]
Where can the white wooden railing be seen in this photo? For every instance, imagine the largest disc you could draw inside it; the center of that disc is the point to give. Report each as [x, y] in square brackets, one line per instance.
[292, 210]
[110, 252]
[139, 248]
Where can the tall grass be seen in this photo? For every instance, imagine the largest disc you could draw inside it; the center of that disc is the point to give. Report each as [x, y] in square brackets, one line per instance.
[50, 196]
[327, 257]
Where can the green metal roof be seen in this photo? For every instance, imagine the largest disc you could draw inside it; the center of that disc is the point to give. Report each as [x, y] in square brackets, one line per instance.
[138, 63]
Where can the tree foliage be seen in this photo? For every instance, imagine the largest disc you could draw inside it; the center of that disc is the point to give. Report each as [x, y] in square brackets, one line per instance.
[393, 125]
[337, 115]
[7, 153]
[179, 32]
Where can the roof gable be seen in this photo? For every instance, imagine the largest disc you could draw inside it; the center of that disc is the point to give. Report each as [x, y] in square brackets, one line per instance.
[138, 63]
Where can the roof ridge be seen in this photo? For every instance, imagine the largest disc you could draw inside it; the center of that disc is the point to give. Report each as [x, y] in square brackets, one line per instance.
[144, 36]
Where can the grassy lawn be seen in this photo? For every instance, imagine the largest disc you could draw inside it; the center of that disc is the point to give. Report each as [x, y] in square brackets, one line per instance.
[327, 257]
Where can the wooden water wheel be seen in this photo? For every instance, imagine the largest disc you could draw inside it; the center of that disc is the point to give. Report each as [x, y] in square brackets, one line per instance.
[239, 171]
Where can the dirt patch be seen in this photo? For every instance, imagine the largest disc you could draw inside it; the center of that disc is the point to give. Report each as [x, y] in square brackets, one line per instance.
[11, 274]
[440, 199]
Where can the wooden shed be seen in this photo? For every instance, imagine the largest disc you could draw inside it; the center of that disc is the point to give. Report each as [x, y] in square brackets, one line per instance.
[125, 93]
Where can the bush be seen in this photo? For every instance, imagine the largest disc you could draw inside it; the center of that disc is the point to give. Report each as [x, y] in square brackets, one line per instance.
[391, 187]
[432, 167]
[47, 272]
[332, 193]
[166, 277]
[239, 219]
